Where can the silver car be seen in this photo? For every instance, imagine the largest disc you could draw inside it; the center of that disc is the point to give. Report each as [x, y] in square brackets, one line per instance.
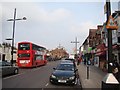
[7, 69]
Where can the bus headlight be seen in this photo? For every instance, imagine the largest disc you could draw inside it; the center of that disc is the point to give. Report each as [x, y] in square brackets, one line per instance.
[27, 61]
[24, 61]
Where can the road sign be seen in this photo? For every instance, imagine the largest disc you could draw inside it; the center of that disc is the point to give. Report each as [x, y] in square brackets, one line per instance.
[111, 25]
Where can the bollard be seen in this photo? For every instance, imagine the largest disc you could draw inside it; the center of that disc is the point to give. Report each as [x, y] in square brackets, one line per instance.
[87, 72]
[110, 82]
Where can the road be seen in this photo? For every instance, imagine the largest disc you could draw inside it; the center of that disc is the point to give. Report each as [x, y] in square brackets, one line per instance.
[35, 78]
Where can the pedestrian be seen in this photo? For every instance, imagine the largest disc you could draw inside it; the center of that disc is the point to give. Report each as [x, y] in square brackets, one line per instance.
[116, 69]
[78, 61]
[84, 61]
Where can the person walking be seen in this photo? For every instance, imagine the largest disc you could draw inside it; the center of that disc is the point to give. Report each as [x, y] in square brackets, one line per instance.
[116, 69]
[78, 60]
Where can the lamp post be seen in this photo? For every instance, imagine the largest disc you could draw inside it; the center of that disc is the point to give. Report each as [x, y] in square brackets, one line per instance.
[109, 81]
[76, 42]
[14, 19]
[109, 32]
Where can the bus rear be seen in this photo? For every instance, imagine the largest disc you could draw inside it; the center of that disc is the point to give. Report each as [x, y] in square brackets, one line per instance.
[24, 55]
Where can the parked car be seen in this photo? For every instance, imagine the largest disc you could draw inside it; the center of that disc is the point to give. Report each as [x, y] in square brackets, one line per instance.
[65, 73]
[7, 69]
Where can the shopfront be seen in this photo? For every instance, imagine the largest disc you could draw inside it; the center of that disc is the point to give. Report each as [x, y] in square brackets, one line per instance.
[101, 57]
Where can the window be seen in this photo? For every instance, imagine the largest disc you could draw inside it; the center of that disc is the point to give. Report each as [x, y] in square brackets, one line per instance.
[65, 67]
[118, 39]
[38, 57]
[4, 63]
[0, 57]
[24, 47]
[24, 55]
[34, 47]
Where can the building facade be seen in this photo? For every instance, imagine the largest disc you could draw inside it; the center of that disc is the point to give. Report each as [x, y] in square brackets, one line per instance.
[5, 51]
[58, 53]
[116, 36]
[97, 40]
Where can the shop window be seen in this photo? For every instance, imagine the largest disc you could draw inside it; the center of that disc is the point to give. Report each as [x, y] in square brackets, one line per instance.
[118, 39]
[0, 57]
[3, 57]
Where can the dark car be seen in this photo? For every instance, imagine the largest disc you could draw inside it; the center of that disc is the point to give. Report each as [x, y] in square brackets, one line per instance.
[7, 69]
[65, 73]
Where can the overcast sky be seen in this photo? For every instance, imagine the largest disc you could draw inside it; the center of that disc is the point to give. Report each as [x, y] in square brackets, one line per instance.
[52, 23]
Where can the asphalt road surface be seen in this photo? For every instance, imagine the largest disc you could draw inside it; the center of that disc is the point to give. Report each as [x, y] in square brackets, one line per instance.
[36, 78]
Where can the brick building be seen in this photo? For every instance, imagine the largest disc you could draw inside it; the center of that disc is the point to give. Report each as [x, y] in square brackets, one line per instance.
[58, 53]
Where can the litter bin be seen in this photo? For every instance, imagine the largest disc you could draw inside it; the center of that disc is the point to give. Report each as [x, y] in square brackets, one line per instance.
[110, 82]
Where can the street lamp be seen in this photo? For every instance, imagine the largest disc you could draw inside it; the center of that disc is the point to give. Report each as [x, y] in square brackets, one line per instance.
[12, 47]
[76, 42]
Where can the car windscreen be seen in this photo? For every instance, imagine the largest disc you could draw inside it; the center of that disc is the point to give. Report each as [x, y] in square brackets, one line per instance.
[68, 67]
[4, 63]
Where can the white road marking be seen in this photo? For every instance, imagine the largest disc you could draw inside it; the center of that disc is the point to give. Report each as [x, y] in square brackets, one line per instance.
[21, 73]
[13, 76]
[47, 84]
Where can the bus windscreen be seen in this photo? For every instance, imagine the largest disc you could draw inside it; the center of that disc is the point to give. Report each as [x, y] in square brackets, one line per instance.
[24, 46]
[24, 55]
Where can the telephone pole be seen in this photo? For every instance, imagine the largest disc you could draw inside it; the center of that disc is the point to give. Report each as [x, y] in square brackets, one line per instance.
[76, 42]
[109, 35]
[13, 33]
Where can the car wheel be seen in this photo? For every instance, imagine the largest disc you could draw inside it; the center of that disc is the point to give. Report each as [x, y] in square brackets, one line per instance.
[16, 71]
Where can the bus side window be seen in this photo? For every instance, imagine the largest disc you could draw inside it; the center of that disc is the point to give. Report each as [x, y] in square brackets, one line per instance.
[40, 57]
[34, 57]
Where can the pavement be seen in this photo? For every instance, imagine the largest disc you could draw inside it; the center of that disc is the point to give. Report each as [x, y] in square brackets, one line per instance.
[95, 78]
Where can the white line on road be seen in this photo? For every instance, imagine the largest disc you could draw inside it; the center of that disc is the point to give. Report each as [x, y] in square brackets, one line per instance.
[13, 76]
[47, 84]
[21, 73]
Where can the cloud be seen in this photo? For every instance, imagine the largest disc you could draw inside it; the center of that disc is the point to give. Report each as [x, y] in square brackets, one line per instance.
[57, 15]
[35, 12]
[45, 26]
[82, 29]
[57, 0]
[38, 18]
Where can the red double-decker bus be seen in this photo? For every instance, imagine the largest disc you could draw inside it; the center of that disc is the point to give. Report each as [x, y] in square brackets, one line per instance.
[30, 55]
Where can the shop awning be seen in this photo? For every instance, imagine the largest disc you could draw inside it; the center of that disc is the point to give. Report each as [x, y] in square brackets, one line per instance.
[100, 53]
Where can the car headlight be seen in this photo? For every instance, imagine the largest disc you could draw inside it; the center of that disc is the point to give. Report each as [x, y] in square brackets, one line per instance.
[73, 77]
[53, 76]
